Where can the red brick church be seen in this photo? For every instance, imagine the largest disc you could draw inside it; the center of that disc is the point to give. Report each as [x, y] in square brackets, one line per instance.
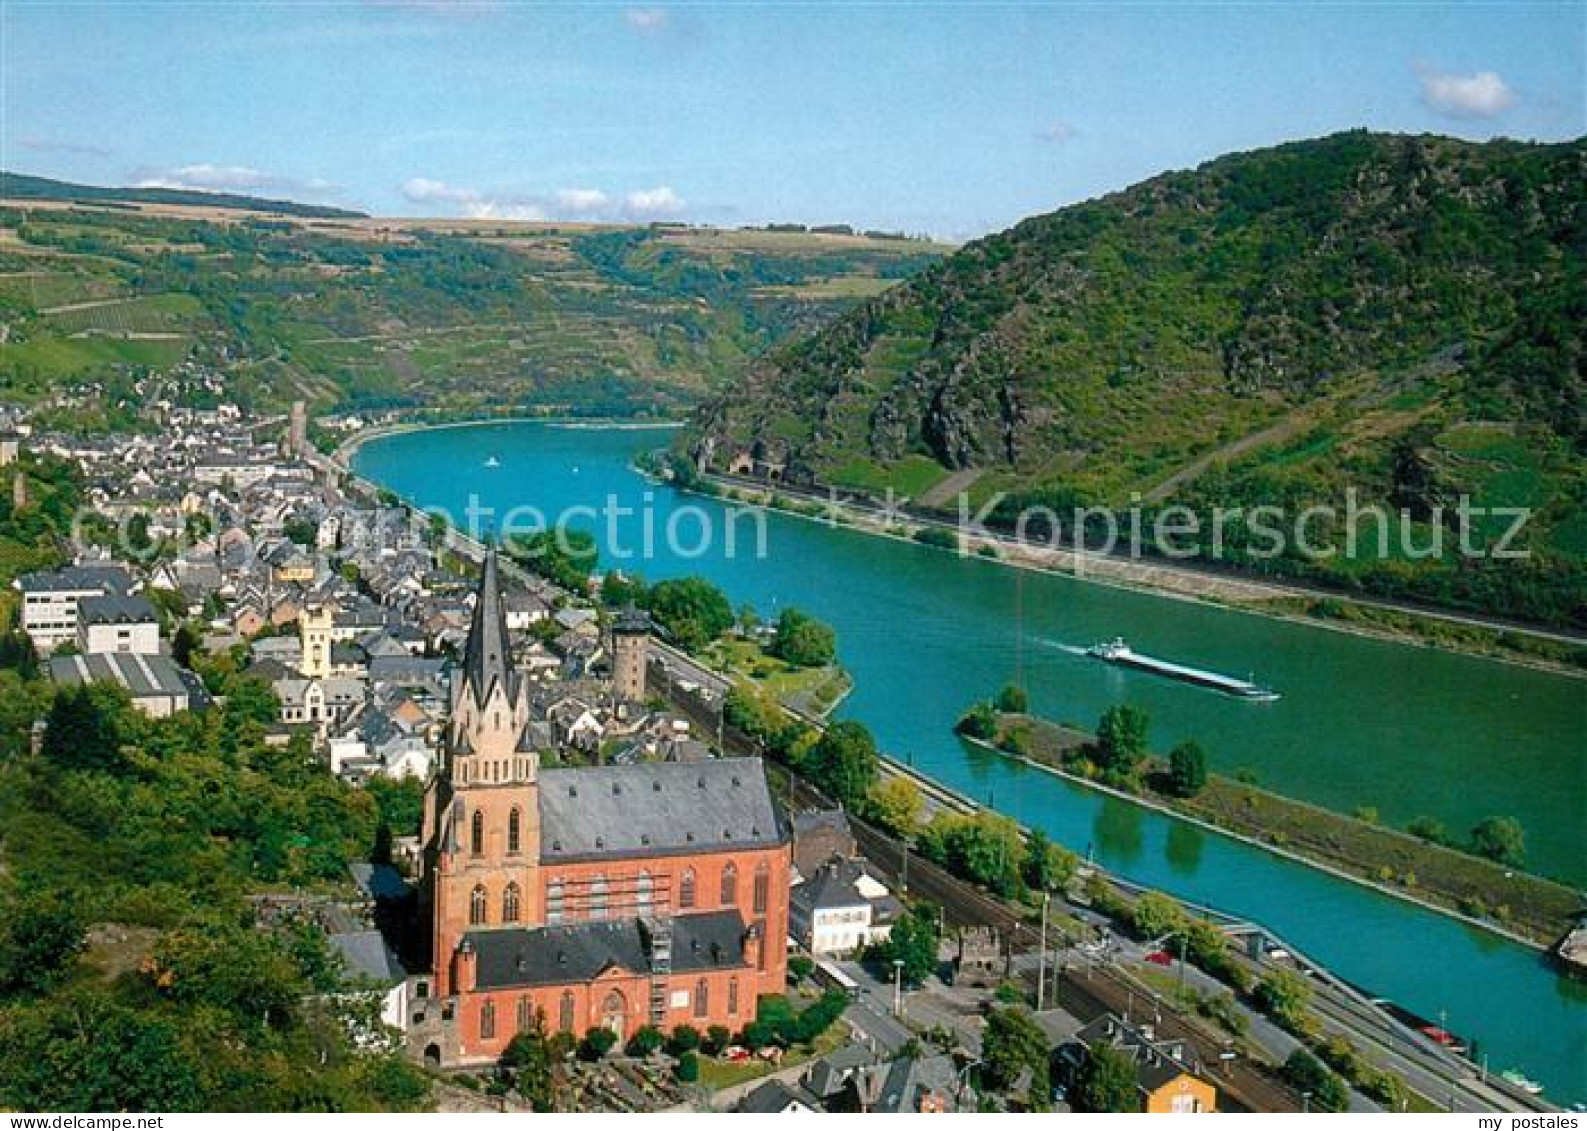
[617, 896]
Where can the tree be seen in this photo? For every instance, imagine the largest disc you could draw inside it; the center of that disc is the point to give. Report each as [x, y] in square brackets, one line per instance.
[896, 803]
[1309, 1076]
[88, 1054]
[980, 721]
[40, 933]
[689, 1067]
[685, 1038]
[1048, 866]
[1156, 915]
[717, 1038]
[1501, 839]
[529, 1057]
[1121, 739]
[912, 941]
[1012, 1043]
[1106, 1082]
[597, 1042]
[184, 643]
[87, 726]
[645, 1040]
[1012, 700]
[843, 762]
[803, 641]
[1285, 996]
[691, 610]
[564, 556]
[1187, 769]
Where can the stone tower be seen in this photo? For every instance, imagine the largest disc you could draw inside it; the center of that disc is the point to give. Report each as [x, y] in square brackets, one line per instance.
[314, 630]
[298, 429]
[630, 654]
[481, 812]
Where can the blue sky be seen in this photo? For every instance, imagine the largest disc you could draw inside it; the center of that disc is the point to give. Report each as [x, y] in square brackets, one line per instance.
[947, 118]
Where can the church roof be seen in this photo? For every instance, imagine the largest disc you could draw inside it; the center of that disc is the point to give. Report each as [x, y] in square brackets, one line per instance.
[656, 809]
[487, 659]
[572, 953]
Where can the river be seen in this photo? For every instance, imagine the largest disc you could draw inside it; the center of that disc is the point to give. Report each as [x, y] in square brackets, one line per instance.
[1409, 731]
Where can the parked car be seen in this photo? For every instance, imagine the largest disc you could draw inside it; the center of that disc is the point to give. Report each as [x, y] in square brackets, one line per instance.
[1161, 957]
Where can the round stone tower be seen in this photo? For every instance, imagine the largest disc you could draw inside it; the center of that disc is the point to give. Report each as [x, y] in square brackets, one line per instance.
[630, 654]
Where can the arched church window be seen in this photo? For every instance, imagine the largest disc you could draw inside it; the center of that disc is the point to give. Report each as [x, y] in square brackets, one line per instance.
[476, 906]
[477, 833]
[509, 904]
[762, 887]
[514, 831]
[729, 885]
[686, 888]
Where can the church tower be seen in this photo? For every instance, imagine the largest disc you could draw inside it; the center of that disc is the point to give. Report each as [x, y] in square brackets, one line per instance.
[481, 812]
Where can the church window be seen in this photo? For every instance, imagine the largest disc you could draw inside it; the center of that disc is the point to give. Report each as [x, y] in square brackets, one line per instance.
[565, 1012]
[477, 833]
[762, 888]
[476, 907]
[525, 1014]
[509, 904]
[487, 1019]
[702, 998]
[598, 897]
[686, 888]
[732, 996]
[729, 886]
[554, 894]
[644, 893]
[514, 832]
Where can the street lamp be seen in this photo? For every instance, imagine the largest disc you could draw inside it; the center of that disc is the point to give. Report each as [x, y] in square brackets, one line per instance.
[1305, 1102]
[898, 987]
[1041, 964]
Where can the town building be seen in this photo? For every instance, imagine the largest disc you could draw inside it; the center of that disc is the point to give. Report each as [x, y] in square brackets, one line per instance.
[615, 896]
[1167, 1078]
[841, 909]
[157, 686]
[117, 622]
[50, 600]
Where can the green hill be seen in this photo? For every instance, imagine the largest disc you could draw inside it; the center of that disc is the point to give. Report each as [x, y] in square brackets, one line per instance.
[22, 186]
[109, 303]
[1398, 315]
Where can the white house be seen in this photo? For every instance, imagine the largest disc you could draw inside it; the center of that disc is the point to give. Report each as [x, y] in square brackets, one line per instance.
[841, 909]
[115, 622]
[50, 600]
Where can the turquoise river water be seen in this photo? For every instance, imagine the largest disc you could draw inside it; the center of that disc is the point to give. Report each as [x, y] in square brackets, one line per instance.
[1406, 730]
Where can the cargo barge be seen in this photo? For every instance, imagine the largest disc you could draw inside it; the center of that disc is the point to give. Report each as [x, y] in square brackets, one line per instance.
[1119, 653]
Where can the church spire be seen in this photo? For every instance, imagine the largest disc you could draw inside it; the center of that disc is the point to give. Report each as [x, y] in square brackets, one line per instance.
[486, 659]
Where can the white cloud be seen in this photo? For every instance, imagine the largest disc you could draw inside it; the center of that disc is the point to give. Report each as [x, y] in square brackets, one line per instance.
[646, 19]
[1057, 133]
[1481, 95]
[583, 204]
[234, 178]
[659, 203]
[584, 200]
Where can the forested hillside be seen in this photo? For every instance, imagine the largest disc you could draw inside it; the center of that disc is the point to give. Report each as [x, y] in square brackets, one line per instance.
[364, 314]
[1400, 315]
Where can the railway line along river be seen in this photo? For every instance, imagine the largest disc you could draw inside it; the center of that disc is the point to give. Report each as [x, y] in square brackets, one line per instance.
[1408, 731]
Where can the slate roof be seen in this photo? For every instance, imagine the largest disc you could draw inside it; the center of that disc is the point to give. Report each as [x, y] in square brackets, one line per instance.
[116, 608]
[570, 953]
[657, 809]
[774, 1097]
[141, 675]
[487, 659]
[1157, 1062]
[77, 579]
[367, 958]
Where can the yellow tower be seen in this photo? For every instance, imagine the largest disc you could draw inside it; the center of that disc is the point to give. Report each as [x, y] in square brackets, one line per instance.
[314, 629]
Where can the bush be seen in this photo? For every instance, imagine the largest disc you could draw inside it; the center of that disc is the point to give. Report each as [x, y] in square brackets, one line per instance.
[1307, 1075]
[646, 1040]
[800, 968]
[597, 1043]
[1013, 700]
[688, 1070]
[685, 1038]
[716, 1039]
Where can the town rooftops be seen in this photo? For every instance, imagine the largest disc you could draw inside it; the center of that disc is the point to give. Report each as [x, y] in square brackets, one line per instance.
[657, 809]
[366, 957]
[77, 579]
[1157, 1062]
[576, 952]
[142, 676]
[116, 608]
